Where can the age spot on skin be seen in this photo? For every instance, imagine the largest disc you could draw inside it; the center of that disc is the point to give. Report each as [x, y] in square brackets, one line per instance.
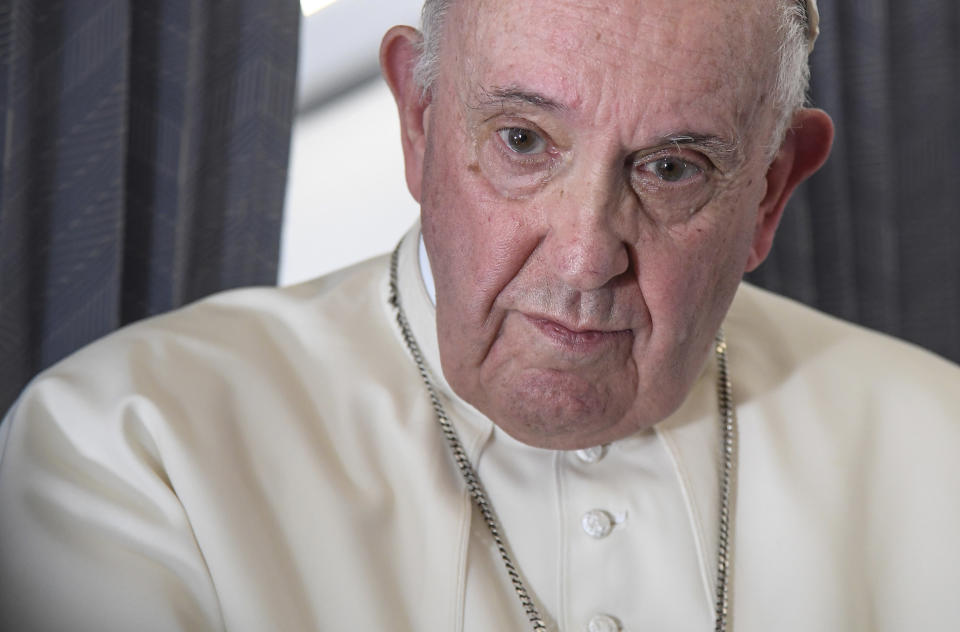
[474, 168]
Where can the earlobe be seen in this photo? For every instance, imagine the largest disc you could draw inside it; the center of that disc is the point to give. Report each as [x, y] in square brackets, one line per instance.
[399, 52]
[804, 150]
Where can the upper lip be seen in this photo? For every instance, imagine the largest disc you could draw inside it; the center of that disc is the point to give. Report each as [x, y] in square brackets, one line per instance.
[584, 328]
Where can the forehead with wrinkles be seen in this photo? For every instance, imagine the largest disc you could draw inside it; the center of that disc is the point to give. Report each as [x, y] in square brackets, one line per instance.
[615, 57]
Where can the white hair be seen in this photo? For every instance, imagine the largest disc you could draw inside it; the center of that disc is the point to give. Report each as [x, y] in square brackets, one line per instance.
[790, 88]
[793, 69]
[431, 26]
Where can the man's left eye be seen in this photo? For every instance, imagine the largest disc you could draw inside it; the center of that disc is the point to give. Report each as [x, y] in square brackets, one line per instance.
[522, 140]
[672, 169]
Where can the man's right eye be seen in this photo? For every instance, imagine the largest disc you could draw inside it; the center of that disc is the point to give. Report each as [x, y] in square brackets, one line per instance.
[522, 141]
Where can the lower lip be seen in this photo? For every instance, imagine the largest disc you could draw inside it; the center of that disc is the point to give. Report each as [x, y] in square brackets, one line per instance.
[584, 340]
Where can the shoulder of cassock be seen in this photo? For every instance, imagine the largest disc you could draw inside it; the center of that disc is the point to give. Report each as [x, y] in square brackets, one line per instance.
[848, 473]
[184, 472]
[840, 429]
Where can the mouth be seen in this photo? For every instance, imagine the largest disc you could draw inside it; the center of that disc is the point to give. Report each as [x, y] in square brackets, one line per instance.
[582, 339]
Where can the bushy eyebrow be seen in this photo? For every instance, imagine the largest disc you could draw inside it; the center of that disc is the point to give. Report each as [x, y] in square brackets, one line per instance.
[498, 97]
[725, 150]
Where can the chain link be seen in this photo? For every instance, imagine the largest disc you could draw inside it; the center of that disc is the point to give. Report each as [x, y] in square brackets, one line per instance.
[728, 422]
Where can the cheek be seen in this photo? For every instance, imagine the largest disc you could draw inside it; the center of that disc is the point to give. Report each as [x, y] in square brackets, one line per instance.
[477, 240]
[689, 284]
[450, 218]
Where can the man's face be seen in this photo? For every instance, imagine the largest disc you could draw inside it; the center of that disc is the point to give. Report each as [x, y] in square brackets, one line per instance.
[590, 192]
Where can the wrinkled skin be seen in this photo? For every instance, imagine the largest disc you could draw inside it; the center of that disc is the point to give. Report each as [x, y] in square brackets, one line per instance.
[594, 179]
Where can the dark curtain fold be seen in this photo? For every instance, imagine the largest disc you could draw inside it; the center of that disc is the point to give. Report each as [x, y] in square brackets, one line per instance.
[873, 236]
[145, 147]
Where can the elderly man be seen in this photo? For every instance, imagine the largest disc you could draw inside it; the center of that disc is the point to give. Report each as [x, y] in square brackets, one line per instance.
[555, 407]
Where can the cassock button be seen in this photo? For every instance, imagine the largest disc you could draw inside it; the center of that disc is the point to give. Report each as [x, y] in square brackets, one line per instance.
[592, 454]
[597, 523]
[603, 623]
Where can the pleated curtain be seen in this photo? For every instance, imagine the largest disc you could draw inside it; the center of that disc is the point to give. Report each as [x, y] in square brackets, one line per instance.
[873, 237]
[144, 147]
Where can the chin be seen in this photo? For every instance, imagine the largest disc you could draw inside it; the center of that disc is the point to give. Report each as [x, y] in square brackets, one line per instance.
[568, 414]
[561, 418]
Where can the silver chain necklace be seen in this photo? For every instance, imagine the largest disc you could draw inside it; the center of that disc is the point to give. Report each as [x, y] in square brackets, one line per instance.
[728, 423]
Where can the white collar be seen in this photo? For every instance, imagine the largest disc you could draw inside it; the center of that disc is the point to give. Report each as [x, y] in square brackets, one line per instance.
[425, 272]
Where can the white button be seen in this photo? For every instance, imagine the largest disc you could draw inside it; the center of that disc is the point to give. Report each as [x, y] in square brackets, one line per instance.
[597, 523]
[592, 454]
[603, 623]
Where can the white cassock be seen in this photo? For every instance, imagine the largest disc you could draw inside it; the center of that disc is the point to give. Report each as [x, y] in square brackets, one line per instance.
[269, 460]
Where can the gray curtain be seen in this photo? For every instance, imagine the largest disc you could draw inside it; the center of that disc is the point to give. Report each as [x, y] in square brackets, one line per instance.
[144, 147]
[873, 237]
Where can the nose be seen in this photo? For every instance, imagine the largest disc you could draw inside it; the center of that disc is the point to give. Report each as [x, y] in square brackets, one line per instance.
[586, 249]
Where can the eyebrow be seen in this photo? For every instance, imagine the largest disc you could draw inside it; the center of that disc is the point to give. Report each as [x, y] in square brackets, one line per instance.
[729, 151]
[502, 96]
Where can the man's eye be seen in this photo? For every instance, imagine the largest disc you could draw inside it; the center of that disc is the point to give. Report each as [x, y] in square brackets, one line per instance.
[673, 169]
[522, 141]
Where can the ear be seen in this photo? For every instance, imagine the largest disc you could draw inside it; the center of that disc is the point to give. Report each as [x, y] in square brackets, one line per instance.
[399, 52]
[805, 148]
